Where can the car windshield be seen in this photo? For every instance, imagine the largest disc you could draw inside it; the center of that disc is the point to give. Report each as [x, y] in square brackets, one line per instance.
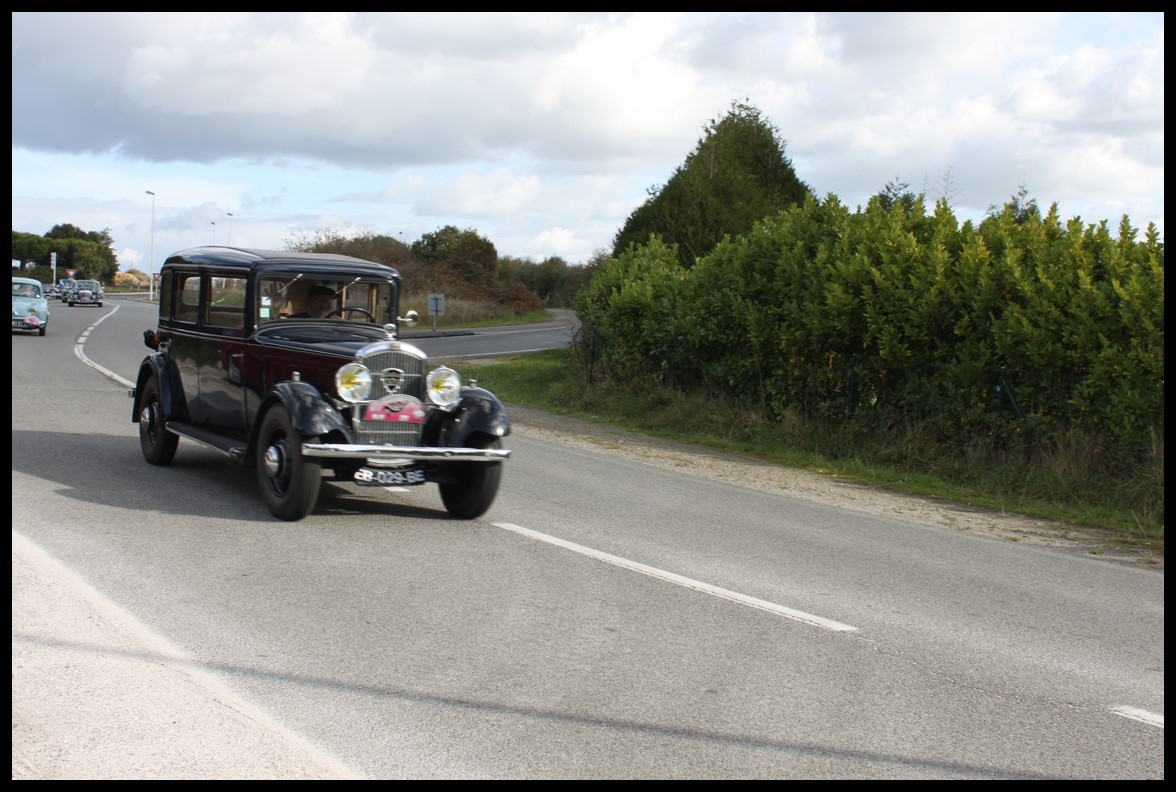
[25, 290]
[307, 297]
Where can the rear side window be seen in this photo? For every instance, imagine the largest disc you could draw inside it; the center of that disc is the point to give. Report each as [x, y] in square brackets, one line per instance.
[226, 302]
[187, 296]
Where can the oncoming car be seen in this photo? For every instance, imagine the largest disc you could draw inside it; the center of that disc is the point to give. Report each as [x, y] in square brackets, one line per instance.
[84, 292]
[292, 364]
[30, 309]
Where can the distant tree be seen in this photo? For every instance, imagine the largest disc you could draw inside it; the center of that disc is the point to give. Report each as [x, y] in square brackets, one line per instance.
[91, 253]
[469, 257]
[436, 246]
[737, 175]
[30, 247]
[69, 231]
[326, 240]
[897, 193]
[553, 281]
[1020, 205]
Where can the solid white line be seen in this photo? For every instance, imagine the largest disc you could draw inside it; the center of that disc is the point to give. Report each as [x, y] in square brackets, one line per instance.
[1143, 716]
[706, 588]
[79, 350]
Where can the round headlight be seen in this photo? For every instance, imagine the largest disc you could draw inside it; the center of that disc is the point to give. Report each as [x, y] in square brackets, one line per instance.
[354, 382]
[443, 386]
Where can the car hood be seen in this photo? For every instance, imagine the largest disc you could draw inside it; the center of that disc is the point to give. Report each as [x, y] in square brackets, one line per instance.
[330, 337]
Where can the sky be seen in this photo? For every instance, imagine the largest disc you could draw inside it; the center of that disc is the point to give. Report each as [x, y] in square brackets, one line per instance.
[542, 132]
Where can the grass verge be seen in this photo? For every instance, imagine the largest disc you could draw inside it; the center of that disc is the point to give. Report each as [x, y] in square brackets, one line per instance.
[1131, 512]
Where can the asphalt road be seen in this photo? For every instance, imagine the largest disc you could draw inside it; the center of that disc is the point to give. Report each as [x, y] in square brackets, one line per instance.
[606, 619]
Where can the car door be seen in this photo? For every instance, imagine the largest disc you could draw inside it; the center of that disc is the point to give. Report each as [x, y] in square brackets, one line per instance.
[221, 352]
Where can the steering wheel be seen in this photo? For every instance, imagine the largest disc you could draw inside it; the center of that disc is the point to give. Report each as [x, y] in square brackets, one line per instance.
[349, 309]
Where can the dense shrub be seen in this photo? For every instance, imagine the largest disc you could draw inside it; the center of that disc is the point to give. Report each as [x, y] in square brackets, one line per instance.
[1011, 335]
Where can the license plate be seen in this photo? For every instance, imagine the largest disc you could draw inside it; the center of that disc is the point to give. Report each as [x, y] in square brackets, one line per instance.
[400, 477]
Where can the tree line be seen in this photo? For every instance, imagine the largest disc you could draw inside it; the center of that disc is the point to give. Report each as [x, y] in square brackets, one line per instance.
[457, 262]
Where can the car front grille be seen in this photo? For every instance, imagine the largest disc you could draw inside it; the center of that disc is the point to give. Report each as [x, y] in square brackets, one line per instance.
[393, 371]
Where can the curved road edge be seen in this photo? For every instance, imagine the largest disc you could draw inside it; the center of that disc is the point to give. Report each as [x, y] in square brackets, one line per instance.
[97, 695]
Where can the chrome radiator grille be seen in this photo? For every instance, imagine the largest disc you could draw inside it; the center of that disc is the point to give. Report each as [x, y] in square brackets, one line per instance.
[392, 372]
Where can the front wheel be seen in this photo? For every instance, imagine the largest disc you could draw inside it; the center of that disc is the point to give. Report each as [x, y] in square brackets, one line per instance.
[473, 485]
[289, 481]
[157, 443]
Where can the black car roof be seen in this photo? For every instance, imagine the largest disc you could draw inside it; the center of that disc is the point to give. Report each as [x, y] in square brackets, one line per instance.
[281, 260]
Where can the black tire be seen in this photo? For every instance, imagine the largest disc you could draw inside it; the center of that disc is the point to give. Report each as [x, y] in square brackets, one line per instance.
[158, 444]
[289, 481]
[41, 330]
[474, 485]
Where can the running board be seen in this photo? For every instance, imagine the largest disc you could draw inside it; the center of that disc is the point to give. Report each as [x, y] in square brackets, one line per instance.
[228, 446]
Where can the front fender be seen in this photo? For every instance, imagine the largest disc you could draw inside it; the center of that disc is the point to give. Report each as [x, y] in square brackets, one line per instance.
[171, 393]
[310, 413]
[478, 413]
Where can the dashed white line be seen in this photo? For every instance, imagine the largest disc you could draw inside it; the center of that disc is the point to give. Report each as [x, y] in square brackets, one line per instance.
[689, 583]
[1143, 716]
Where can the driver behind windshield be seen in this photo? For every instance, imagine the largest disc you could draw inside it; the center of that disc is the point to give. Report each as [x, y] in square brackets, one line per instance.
[320, 303]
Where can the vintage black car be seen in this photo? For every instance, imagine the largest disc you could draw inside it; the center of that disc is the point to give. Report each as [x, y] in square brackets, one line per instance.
[83, 292]
[242, 365]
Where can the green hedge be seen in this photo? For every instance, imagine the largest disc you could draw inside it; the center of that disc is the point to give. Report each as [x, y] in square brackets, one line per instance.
[884, 319]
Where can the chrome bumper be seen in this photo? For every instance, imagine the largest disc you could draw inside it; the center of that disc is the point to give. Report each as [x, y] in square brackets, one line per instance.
[341, 451]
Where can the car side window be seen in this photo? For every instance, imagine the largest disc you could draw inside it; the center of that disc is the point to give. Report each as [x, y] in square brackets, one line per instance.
[187, 297]
[226, 302]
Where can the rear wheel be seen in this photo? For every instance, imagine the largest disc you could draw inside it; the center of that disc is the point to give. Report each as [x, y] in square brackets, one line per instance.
[289, 481]
[158, 444]
[473, 485]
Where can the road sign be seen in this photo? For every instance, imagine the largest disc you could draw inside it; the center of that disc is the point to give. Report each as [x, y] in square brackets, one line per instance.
[436, 308]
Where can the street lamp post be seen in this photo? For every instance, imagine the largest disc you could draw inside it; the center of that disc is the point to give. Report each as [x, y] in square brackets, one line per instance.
[151, 261]
[230, 239]
[213, 231]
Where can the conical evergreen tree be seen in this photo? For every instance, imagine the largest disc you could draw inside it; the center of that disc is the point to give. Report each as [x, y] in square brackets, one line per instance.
[736, 176]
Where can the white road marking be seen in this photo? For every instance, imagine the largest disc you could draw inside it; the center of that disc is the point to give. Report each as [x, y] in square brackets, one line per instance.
[705, 588]
[80, 351]
[1143, 716]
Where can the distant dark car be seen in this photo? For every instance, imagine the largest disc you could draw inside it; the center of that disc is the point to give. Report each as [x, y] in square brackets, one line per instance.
[30, 309]
[239, 366]
[83, 292]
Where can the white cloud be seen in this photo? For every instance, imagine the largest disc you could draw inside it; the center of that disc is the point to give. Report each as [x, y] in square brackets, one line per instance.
[544, 130]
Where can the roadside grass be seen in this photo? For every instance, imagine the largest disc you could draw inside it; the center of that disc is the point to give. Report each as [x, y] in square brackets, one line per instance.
[1053, 485]
[466, 313]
